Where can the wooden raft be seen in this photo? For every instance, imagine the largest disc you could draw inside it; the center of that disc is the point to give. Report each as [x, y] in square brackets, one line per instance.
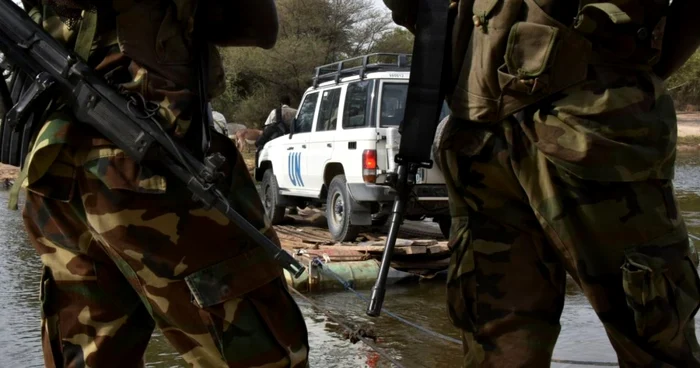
[306, 236]
[310, 238]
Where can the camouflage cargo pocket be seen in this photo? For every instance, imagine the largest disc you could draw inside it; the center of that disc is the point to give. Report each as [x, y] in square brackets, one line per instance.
[220, 291]
[530, 52]
[461, 278]
[663, 291]
[232, 278]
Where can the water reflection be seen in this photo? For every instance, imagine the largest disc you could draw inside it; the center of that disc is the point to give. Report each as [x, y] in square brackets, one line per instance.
[582, 336]
[19, 282]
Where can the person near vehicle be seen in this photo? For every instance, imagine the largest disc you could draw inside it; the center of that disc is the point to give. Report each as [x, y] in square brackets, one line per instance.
[559, 158]
[122, 244]
[219, 121]
[278, 122]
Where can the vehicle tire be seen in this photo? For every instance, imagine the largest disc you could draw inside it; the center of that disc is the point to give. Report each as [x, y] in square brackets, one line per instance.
[271, 198]
[337, 211]
[445, 223]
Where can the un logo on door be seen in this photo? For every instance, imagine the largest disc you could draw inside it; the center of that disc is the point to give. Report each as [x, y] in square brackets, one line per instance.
[294, 166]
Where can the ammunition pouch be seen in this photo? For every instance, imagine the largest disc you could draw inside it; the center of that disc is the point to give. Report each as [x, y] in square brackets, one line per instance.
[519, 55]
[619, 38]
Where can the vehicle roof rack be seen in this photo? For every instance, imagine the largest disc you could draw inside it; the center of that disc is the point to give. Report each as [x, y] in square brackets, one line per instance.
[360, 65]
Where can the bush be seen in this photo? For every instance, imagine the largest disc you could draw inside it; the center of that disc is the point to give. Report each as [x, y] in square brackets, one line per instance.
[684, 85]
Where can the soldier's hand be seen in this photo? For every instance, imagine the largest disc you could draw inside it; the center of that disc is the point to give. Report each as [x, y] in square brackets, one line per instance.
[404, 12]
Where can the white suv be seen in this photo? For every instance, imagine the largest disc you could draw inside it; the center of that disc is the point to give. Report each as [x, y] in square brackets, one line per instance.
[342, 148]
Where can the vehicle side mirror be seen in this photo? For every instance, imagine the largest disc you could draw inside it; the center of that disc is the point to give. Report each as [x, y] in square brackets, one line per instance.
[291, 128]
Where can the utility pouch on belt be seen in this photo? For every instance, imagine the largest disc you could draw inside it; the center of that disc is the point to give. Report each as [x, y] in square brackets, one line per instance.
[519, 54]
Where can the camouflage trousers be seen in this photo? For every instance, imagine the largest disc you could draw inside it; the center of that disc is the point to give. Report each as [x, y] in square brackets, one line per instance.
[528, 208]
[125, 249]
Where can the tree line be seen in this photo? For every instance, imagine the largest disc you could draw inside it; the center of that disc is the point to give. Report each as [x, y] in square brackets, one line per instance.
[312, 33]
[684, 85]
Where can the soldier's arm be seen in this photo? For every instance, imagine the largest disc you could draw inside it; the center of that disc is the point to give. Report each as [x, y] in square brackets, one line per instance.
[681, 37]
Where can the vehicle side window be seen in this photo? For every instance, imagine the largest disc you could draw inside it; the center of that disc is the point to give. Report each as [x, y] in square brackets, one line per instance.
[305, 119]
[328, 113]
[393, 105]
[356, 113]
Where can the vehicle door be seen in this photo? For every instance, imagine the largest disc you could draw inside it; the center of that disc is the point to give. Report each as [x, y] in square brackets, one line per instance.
[322, 141]
[291, 170]
[355, 133]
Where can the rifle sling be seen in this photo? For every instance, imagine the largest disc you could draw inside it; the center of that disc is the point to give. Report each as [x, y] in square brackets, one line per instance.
[425, 87]
[86, 34]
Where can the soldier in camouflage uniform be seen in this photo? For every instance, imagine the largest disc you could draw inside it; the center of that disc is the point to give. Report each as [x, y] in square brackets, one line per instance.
[124, 247]
[559, 158]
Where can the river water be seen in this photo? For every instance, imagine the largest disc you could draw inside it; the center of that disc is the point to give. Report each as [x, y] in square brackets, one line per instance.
[582, 336]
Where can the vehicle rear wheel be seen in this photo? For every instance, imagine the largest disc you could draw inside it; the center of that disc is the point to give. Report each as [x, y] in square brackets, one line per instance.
[445, 223]
[337, 211]
[271, 198]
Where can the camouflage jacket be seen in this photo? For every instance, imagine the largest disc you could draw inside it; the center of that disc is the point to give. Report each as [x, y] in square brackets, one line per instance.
[140, 46]
[144, 47]
[579, 72]
[523, 51]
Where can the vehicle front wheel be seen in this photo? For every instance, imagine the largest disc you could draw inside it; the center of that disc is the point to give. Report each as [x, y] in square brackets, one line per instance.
[271, 198]
[337, 211]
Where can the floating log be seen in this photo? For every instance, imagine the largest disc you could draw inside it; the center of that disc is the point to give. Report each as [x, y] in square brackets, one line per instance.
[361, 275]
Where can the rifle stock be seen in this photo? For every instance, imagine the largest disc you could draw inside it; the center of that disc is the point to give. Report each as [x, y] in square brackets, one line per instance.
[423, 104]
[121, 120]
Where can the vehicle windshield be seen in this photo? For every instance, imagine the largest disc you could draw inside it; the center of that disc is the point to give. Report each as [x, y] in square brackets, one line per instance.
[393, 105]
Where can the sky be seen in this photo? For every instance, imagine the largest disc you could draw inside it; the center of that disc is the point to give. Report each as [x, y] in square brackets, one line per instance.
[379, 3]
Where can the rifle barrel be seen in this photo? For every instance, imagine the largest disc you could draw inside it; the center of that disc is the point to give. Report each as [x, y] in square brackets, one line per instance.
[379, 288]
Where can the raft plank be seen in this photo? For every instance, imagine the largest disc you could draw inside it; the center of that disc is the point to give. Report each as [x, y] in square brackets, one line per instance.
[425, 242]
[415, 249]
[439, 248]
[438, 264]
[337, 254]
[374, 249]
[399, 243]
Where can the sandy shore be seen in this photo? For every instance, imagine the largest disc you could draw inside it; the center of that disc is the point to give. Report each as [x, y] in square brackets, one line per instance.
[689, 124]
[689, 131]
[8, 172]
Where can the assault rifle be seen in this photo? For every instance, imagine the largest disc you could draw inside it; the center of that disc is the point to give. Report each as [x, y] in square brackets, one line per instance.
[122, 120]
[423, 104]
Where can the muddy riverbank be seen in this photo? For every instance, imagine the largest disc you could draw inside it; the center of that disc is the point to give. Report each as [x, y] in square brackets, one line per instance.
[688, 131]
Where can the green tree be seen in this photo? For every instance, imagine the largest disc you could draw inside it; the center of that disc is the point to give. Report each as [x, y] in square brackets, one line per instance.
[398, 40]
[684, 85]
